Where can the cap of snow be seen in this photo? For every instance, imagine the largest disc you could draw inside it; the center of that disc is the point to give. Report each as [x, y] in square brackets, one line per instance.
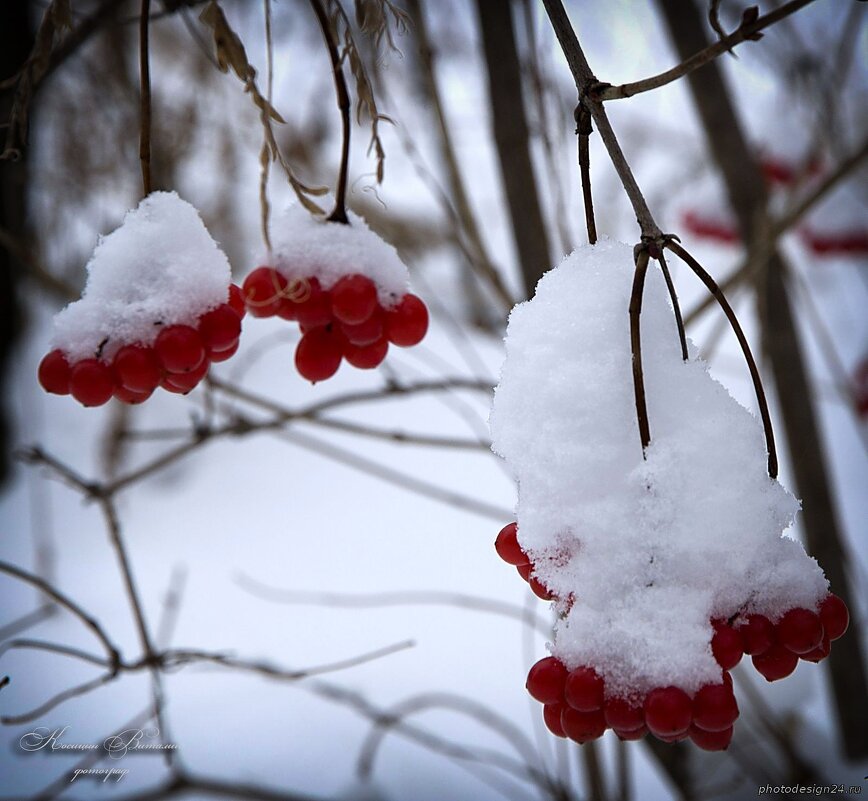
[160, 267]
[304, 246]
[650, 550]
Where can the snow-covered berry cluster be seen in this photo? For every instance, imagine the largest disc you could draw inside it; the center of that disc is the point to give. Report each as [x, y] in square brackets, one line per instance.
[576, 705]
[344, 286]
[157, 310]
[665, 567]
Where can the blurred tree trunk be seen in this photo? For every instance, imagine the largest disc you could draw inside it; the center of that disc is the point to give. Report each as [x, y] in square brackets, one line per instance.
[512, 138]
[16, 39]
[780, 341]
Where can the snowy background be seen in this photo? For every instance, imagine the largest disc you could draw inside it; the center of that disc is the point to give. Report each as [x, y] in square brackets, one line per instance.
[327, 540]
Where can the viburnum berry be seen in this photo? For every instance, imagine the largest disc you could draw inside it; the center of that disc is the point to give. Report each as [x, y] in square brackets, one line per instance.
[366, 357]
[820, 652]
[318, 354]
[507, 546]
[726, 645]
[584, 689]
[179, 348]
[799, 630]
[223, 355]
[367, 332]
[757, 634]
[353, 299]
[525, 570]
[263, 291]
[582, 726]
[714, 707]
[183, 383]
[622, 715]
[545, 680]
[54, 373]
[90, 382]
[407, 322]
[668, 711]
[131, 396]
[775, 663]
[552, 718]
[631, 734]
[236, 300]
[136, 369]
[710, 740]
[540, 590]
[316, 309]
[835, 616]
[220, 328]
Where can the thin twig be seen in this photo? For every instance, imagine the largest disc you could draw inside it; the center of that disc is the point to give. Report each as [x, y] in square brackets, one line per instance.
[676, 308]
[636, 348]
[585, 79]
[339, 213]
[55, 648]
[744, 31]
[715, 290]
[57, 700]
[145, 98]
[264, 153]
[584, 129]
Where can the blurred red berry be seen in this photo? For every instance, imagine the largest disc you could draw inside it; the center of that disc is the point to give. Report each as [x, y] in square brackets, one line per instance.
[507, 547]
[584, 689]
[91, 383]
[834, 616]
[54, 373]
[710, 740]
[726, 645]
[757, 634]
[220, 328]
[668, 711]
[318, 355]
[545, 681]
[407, 322]
[136, 369]
[799, 630]
[179, 349]
[263, 291]
[353, 299]
[714, 707]
[366, 357]
[775, 663]
[582, 726]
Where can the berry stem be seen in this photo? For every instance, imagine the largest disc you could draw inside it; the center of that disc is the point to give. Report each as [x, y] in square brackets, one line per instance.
[145, 98]
[715, 290]
[339, 213]
[264, 153]
[636, 347]
[584, 129]
[679, 322]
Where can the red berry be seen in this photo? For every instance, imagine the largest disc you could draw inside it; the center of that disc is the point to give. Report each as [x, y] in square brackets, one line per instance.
[668, 711]
[820, 652]
[366, 332]
[91, 383]
[540, 590]
[545, 680]
[407, 322]
[834, 616]
[507, 546]
[316, 309]
[552, 718]
[584, 689]
[631, 734]
[318, 354]
[710, 740]
[776, 663]
[673, 738]
[136, 369]
[263, 291]
[366, 357]
[223, 355]
[757, 634]
[354, 299]
[525, 570]
[220, 328]
[726, 645]
[185, 382]
[799, 630]
[236, 300]
[714, 707]
[179, 349]
[131, 396]
[53, 373]
[623, 715]
[582, 726]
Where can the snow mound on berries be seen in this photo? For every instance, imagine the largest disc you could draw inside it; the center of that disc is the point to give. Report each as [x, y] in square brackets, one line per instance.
[304, 246]
[160, 267]
[650, 550]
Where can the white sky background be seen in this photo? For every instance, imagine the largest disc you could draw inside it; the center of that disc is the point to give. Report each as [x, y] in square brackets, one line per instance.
[263, 507]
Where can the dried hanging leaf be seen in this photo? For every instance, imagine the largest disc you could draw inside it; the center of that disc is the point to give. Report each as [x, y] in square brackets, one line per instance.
[372, 17]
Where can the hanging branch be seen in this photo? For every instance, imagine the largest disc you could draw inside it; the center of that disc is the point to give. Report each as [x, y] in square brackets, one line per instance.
[585, 81]
[584, 129]
[715, 290]
[145, 98]
[264, 156]
[339, 214]
[636, 346]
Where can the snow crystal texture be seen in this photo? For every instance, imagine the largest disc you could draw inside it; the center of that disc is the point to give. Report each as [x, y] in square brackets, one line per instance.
[304, 246]
[650, 550]
[161, 267]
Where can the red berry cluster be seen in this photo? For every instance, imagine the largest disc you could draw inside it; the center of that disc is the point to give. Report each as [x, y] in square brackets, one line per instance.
[343, 322]
[177, 361]
[575, 702]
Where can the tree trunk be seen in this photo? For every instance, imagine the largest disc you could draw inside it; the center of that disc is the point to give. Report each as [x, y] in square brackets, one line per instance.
[780, 341]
